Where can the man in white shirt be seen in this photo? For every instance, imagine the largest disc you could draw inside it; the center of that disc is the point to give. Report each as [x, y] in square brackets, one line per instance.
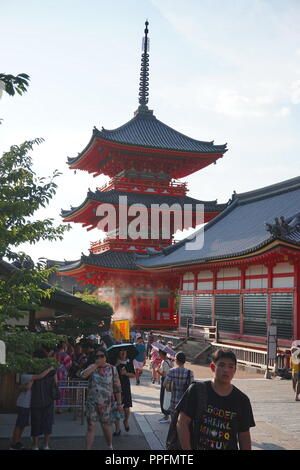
[163, 371]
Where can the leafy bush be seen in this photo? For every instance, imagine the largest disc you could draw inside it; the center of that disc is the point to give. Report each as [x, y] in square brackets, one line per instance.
[20, 345]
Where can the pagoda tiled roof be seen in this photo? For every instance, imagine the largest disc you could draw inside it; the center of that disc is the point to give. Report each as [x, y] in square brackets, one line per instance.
[108, 259]
[146, 131]
[251, 221]
[112, 197]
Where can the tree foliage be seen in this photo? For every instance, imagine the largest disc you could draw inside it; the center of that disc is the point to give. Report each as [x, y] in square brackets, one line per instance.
[22, 193]
[14, 83]
[20, 346]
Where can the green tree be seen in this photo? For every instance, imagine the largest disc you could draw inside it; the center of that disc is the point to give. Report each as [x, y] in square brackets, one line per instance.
[20, 346]
[13, 84]
[22, 193]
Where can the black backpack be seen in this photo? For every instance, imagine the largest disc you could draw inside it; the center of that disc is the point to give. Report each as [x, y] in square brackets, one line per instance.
[42, 391]
[172, 442]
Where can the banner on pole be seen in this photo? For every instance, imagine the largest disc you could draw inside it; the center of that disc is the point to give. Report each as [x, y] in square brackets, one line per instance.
[120, 330]
[272, 342]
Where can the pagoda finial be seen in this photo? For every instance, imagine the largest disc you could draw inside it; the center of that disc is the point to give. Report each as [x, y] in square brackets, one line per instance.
[144, 76]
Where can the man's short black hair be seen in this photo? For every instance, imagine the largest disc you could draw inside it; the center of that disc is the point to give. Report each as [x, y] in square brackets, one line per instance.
[180, 357]
[223, 353]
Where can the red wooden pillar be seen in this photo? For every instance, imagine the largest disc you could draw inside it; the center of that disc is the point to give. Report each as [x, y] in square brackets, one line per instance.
[215, 272]
[296, 329]
[243, 286]
[270, 285]
[181, 282]
[133, 309]
[193, 300]
[194, 296]
[195, 281]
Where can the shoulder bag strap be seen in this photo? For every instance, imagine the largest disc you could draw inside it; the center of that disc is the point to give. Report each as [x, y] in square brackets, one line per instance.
[188, 379]
[201, 408]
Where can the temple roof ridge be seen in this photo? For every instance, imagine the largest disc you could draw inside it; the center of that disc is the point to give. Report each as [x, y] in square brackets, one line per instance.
[268, 191]
[146, 130]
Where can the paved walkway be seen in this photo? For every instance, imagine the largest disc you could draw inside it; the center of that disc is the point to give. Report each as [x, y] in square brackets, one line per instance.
[276, 413]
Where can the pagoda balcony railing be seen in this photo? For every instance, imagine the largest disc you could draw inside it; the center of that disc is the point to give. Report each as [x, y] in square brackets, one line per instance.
[117, 244]
[144, 185]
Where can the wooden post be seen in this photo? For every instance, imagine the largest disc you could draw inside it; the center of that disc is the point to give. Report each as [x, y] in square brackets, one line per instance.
[31, 324]
[296, 322]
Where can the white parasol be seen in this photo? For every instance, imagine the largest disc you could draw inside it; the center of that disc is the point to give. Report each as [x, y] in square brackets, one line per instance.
[160, 347]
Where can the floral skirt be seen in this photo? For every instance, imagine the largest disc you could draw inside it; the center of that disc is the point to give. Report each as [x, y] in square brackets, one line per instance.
[105, 412]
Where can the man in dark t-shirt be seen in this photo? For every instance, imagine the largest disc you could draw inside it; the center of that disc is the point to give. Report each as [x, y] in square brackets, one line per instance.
[226, 422]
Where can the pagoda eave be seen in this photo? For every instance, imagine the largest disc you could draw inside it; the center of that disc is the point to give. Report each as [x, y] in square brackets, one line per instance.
[86, 214]
[102, 276]
[99, 149]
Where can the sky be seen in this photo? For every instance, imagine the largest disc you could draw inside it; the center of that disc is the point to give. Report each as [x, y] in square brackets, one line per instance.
[222, 70]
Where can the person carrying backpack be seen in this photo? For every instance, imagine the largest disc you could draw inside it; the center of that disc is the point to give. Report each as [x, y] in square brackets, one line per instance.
[43, 395]
[224, 422]
[178, 380]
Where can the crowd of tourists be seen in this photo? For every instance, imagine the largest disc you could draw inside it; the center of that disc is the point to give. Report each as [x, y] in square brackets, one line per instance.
[107, 367]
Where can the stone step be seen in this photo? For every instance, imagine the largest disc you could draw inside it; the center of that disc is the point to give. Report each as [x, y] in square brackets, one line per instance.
[196, 351]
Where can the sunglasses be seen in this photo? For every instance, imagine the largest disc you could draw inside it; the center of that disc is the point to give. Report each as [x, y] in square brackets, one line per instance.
[100, 355]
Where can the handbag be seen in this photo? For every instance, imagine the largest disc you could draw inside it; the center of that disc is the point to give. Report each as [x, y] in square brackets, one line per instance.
[167, 400]
[168, 386]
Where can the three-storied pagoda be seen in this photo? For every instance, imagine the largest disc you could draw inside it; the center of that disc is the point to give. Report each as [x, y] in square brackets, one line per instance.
[144, 159]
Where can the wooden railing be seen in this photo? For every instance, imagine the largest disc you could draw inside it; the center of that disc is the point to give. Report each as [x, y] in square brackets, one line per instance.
[253, 357]
[144, 184]
[206, 332]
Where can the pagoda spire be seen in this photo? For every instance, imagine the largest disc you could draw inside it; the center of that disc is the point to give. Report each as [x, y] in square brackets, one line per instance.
[144, 74]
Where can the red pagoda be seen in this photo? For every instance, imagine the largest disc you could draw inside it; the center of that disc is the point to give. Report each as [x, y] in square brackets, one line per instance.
[144, 160]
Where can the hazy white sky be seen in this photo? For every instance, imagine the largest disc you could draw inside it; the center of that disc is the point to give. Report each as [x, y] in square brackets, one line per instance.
[222, 70]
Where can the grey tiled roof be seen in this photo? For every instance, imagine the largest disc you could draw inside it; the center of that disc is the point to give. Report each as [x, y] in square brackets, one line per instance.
[112, 197]
[144, 130]
[107, 259]
[239, 229]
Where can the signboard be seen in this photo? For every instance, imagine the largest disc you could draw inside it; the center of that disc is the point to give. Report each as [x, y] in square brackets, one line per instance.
[120, 330]
[272, 342]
